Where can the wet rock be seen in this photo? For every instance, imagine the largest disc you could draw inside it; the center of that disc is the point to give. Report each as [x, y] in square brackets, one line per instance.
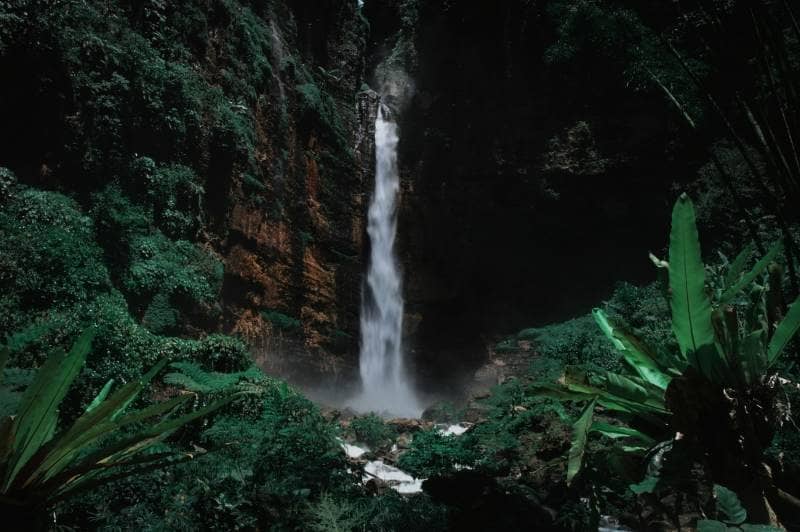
[403, 441]
[403, 424]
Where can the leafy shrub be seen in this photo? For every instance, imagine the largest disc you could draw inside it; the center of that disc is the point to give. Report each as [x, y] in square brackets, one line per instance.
[270, 463]
[161, 316]
[513, 410]
[299, 454]
[162, 265]
[432, 453]
[371, 430]
[173, 194]
[576, 341]
[48, 259]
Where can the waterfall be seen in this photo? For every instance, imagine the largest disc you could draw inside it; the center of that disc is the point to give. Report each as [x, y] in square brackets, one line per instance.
[386, 387]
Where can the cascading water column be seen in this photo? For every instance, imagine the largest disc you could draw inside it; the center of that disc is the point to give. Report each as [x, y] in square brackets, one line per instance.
[386, 386]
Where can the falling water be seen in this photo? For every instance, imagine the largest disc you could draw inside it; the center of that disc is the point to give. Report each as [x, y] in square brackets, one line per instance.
[386, 386]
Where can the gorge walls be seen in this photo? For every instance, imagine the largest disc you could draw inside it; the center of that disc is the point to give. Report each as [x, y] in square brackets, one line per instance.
[221, 153]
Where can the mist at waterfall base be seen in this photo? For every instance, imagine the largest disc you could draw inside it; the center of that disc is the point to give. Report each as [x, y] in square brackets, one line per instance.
[386, 387]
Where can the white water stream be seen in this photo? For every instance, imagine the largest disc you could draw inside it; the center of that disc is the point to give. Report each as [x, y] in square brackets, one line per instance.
[386, 388]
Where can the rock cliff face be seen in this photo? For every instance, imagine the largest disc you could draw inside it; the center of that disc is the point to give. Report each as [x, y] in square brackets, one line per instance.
[528, 191]
[292, 276]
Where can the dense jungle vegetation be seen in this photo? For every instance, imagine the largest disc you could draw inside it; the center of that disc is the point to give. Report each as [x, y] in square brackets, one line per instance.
[132, 131]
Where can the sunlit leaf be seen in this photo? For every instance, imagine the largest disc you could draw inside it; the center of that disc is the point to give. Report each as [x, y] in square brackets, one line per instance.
[691, 306]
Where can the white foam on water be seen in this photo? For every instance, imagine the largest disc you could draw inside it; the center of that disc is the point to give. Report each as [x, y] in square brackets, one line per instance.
[353, 451]
[398, 480]
[455, 430]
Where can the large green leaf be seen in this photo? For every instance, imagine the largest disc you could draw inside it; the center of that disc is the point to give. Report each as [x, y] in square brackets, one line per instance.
[691, 306]
[626, 388]
[617, 431]
[633, 351]
[579, 437]
[87, 430]
[736, 267]
[784, 332]
[96, 423]
[38, 411]
[729, 505]
[113, 455]
[750, 276]
[100, 396]
[616, 392]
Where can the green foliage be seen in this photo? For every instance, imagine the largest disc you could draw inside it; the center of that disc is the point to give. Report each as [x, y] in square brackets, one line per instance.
[723, 355]
[173, 194]
[577, 341]
[7, 182]
[318, 107]
[270, 467]
[159, 111]
[122, 348]
[578, 447]
[614, 39]
[39, 466]
[736, 280]
[161, 316]
[174, 267]
[732, 515]
[252, 184]
[48, 259]
[514, 410]
[190, 376]
[691, 306]
[729, 506]
[281, 320]
[432, 454]
[371, 430]
[334, 515]
[299, 454]
[220, 352]
[634, 352]
[509, 345]
[160, 275]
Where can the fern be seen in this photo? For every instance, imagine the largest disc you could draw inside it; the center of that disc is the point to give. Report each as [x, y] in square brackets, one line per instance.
[335, 515]
[194, 378]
